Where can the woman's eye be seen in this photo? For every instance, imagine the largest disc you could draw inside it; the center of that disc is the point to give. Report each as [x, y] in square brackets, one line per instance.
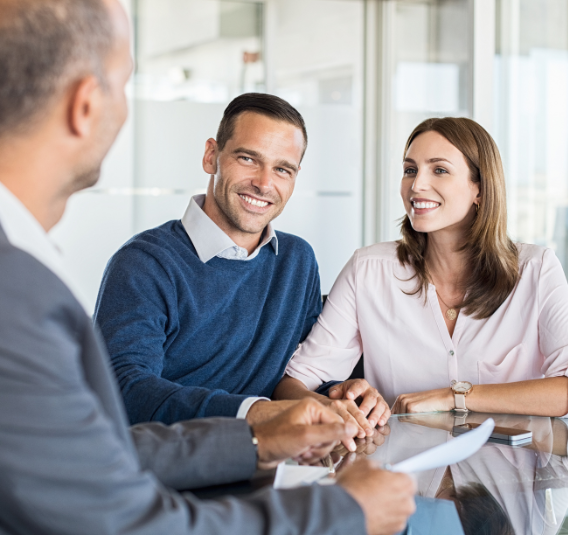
[410, 171]
[440, 170]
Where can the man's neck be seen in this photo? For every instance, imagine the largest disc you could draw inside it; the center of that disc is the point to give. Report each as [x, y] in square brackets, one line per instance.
[47, 214]
[33, 180]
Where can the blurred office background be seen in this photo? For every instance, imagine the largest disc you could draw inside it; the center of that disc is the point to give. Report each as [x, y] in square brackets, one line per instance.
[363, 73]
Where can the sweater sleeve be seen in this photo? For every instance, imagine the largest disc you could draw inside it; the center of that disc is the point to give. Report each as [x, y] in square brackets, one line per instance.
[313, 300]
[137, 312]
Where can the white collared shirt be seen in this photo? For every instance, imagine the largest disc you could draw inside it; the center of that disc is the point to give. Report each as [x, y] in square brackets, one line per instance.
[24, 231]
[210, 241]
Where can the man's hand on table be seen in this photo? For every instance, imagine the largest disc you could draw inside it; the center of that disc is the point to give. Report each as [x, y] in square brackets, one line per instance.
[306, 430]
[372, 411]
[262, 410]
[387, 498]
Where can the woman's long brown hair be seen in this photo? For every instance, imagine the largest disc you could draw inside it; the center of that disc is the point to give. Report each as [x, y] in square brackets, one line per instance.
[491, 255]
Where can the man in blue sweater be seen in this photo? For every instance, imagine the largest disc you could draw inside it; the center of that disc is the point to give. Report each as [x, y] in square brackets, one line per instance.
[201, 315]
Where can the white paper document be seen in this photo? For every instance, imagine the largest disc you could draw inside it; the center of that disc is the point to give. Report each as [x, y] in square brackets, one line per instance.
[290, 476]
[452, 452]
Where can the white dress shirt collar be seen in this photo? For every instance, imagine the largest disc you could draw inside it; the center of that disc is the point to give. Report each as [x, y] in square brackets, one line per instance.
[24, 231]
[210, 241]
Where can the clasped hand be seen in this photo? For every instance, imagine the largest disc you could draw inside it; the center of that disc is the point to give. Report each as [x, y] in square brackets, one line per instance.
[372, 411]
[305, 431]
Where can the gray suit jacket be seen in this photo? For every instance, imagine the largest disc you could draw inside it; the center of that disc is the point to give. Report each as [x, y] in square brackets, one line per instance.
[70, 465]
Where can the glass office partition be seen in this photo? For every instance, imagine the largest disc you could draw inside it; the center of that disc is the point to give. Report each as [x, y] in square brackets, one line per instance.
[531, 118]
[193, 57]
[315, 49]
[427, 73]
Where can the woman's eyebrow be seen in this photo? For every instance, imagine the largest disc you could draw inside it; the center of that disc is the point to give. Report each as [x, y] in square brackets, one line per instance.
[434, 160]
[431, 160]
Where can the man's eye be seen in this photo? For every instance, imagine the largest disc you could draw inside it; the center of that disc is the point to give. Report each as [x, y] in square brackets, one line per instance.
[282, 170]
[245, 158]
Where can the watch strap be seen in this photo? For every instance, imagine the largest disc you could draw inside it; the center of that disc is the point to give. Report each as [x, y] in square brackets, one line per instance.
[459, 401]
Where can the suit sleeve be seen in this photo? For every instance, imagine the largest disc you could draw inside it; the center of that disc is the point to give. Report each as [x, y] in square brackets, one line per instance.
[223, 446]
[68, 468]
[137, 313]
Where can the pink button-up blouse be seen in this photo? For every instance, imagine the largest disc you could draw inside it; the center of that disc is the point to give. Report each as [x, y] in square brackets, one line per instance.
[406, 342]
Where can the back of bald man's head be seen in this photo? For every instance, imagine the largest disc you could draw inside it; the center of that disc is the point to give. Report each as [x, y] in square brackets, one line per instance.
[46, 45]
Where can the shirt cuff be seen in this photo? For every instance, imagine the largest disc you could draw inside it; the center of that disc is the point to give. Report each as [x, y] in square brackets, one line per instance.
[246, 405]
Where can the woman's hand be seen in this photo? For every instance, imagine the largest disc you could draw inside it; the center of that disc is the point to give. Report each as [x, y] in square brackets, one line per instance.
[373, 407]
[441, 399]
[350, 412]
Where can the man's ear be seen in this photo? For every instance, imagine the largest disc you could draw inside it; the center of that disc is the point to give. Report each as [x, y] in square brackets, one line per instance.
[85, 106]
[210, 156]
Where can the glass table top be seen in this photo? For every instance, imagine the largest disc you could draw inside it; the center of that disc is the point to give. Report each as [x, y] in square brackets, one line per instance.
[500, 490]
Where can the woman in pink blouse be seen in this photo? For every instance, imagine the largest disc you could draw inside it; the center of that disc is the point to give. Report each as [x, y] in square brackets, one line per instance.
[453, 300]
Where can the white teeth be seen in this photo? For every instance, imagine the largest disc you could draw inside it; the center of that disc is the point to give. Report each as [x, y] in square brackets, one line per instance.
[425, 204]
[254, 202]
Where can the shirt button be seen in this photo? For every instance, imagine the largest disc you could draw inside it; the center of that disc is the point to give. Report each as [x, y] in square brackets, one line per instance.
[452, 352]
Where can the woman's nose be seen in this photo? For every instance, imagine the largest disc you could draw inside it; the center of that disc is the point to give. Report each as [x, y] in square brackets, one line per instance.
[421, 182]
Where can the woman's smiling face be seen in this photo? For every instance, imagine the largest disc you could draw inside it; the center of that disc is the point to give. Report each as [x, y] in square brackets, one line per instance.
[436, 187]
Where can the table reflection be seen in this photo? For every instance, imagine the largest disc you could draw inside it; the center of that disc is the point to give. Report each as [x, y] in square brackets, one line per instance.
[502, 489]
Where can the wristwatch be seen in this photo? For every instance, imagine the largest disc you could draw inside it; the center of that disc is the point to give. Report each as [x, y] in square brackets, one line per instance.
[460, 389]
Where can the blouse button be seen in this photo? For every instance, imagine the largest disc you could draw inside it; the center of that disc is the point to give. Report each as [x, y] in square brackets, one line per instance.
[452, 352]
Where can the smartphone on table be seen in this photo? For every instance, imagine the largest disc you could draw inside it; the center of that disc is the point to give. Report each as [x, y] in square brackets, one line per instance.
[503, 435]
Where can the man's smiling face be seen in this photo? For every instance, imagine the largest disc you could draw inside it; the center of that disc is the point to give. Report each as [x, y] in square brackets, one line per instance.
[256, 172]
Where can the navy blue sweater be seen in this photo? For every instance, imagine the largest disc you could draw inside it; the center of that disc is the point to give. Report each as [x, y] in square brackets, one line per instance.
[188, 339]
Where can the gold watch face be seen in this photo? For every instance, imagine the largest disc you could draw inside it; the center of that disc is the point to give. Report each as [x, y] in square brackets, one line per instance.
[462, 387]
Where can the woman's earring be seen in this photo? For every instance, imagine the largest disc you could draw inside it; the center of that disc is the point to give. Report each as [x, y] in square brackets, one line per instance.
[476, 208]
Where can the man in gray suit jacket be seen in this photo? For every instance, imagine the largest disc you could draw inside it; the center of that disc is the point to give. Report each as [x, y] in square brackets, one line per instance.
[69, 464]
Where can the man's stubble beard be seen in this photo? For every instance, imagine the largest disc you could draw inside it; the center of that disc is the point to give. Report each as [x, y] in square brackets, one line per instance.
[88, 176]
[86, 179]
[232, 212]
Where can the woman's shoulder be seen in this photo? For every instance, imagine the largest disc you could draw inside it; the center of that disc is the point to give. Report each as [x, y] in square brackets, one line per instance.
[533, 254]
[384, 251]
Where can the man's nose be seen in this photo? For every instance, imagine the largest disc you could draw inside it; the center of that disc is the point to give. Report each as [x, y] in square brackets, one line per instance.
[263, 180]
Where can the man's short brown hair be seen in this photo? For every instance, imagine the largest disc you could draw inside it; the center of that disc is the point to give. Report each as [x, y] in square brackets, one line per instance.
[44, 46]
[264, 104]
